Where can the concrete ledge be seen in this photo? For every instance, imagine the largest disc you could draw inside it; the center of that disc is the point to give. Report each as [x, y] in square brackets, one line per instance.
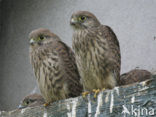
[127, 101]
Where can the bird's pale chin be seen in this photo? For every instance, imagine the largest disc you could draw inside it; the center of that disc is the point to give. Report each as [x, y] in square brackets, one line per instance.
[74, 27]
[72, 24]
[77, 26]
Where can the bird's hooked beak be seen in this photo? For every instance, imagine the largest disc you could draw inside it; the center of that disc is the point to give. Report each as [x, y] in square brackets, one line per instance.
[21, 106]
[32, 41]
[73, 21]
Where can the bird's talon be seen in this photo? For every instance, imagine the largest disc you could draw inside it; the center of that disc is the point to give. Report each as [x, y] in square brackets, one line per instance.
[103, 89]
[96, 91]
[84, 94]
[46, 104]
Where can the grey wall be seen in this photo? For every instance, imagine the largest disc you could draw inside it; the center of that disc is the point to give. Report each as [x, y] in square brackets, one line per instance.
[133, 21]
[0, 15]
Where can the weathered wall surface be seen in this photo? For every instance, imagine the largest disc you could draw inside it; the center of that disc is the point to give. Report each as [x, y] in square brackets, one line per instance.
[136, 100]
[132, 21]
[0, 15]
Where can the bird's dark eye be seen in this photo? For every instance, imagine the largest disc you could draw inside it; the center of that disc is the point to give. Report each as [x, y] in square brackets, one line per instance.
[26, 102]
[42, 37]
[82, 18]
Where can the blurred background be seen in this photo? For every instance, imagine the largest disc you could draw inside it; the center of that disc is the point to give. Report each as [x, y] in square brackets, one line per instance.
[133, 21]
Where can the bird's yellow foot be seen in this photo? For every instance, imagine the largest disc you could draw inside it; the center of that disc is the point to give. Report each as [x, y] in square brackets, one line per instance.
[103, 89]
[46, 104]
[84, 94]
[96, 91]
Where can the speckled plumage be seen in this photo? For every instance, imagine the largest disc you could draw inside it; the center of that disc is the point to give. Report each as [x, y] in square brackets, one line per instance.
[134, 76]
[54, 67]
[97, 52]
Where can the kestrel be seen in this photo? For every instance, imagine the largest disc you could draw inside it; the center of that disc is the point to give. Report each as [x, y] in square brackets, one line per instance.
[133, 76]
[31, 101]
[54, 66]
[97, 52]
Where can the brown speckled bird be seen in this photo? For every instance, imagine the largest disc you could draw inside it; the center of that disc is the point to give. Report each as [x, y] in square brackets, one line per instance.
[97, 52]
[54, 66]
[134, 76]
[31, 101]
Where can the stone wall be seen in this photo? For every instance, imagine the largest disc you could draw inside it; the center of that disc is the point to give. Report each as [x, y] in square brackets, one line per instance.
[137, 100]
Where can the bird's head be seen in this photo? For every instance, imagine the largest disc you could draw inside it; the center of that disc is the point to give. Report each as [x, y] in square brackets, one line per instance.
[83, 20]
[31, 100]
[26, 102]
[41, 36]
